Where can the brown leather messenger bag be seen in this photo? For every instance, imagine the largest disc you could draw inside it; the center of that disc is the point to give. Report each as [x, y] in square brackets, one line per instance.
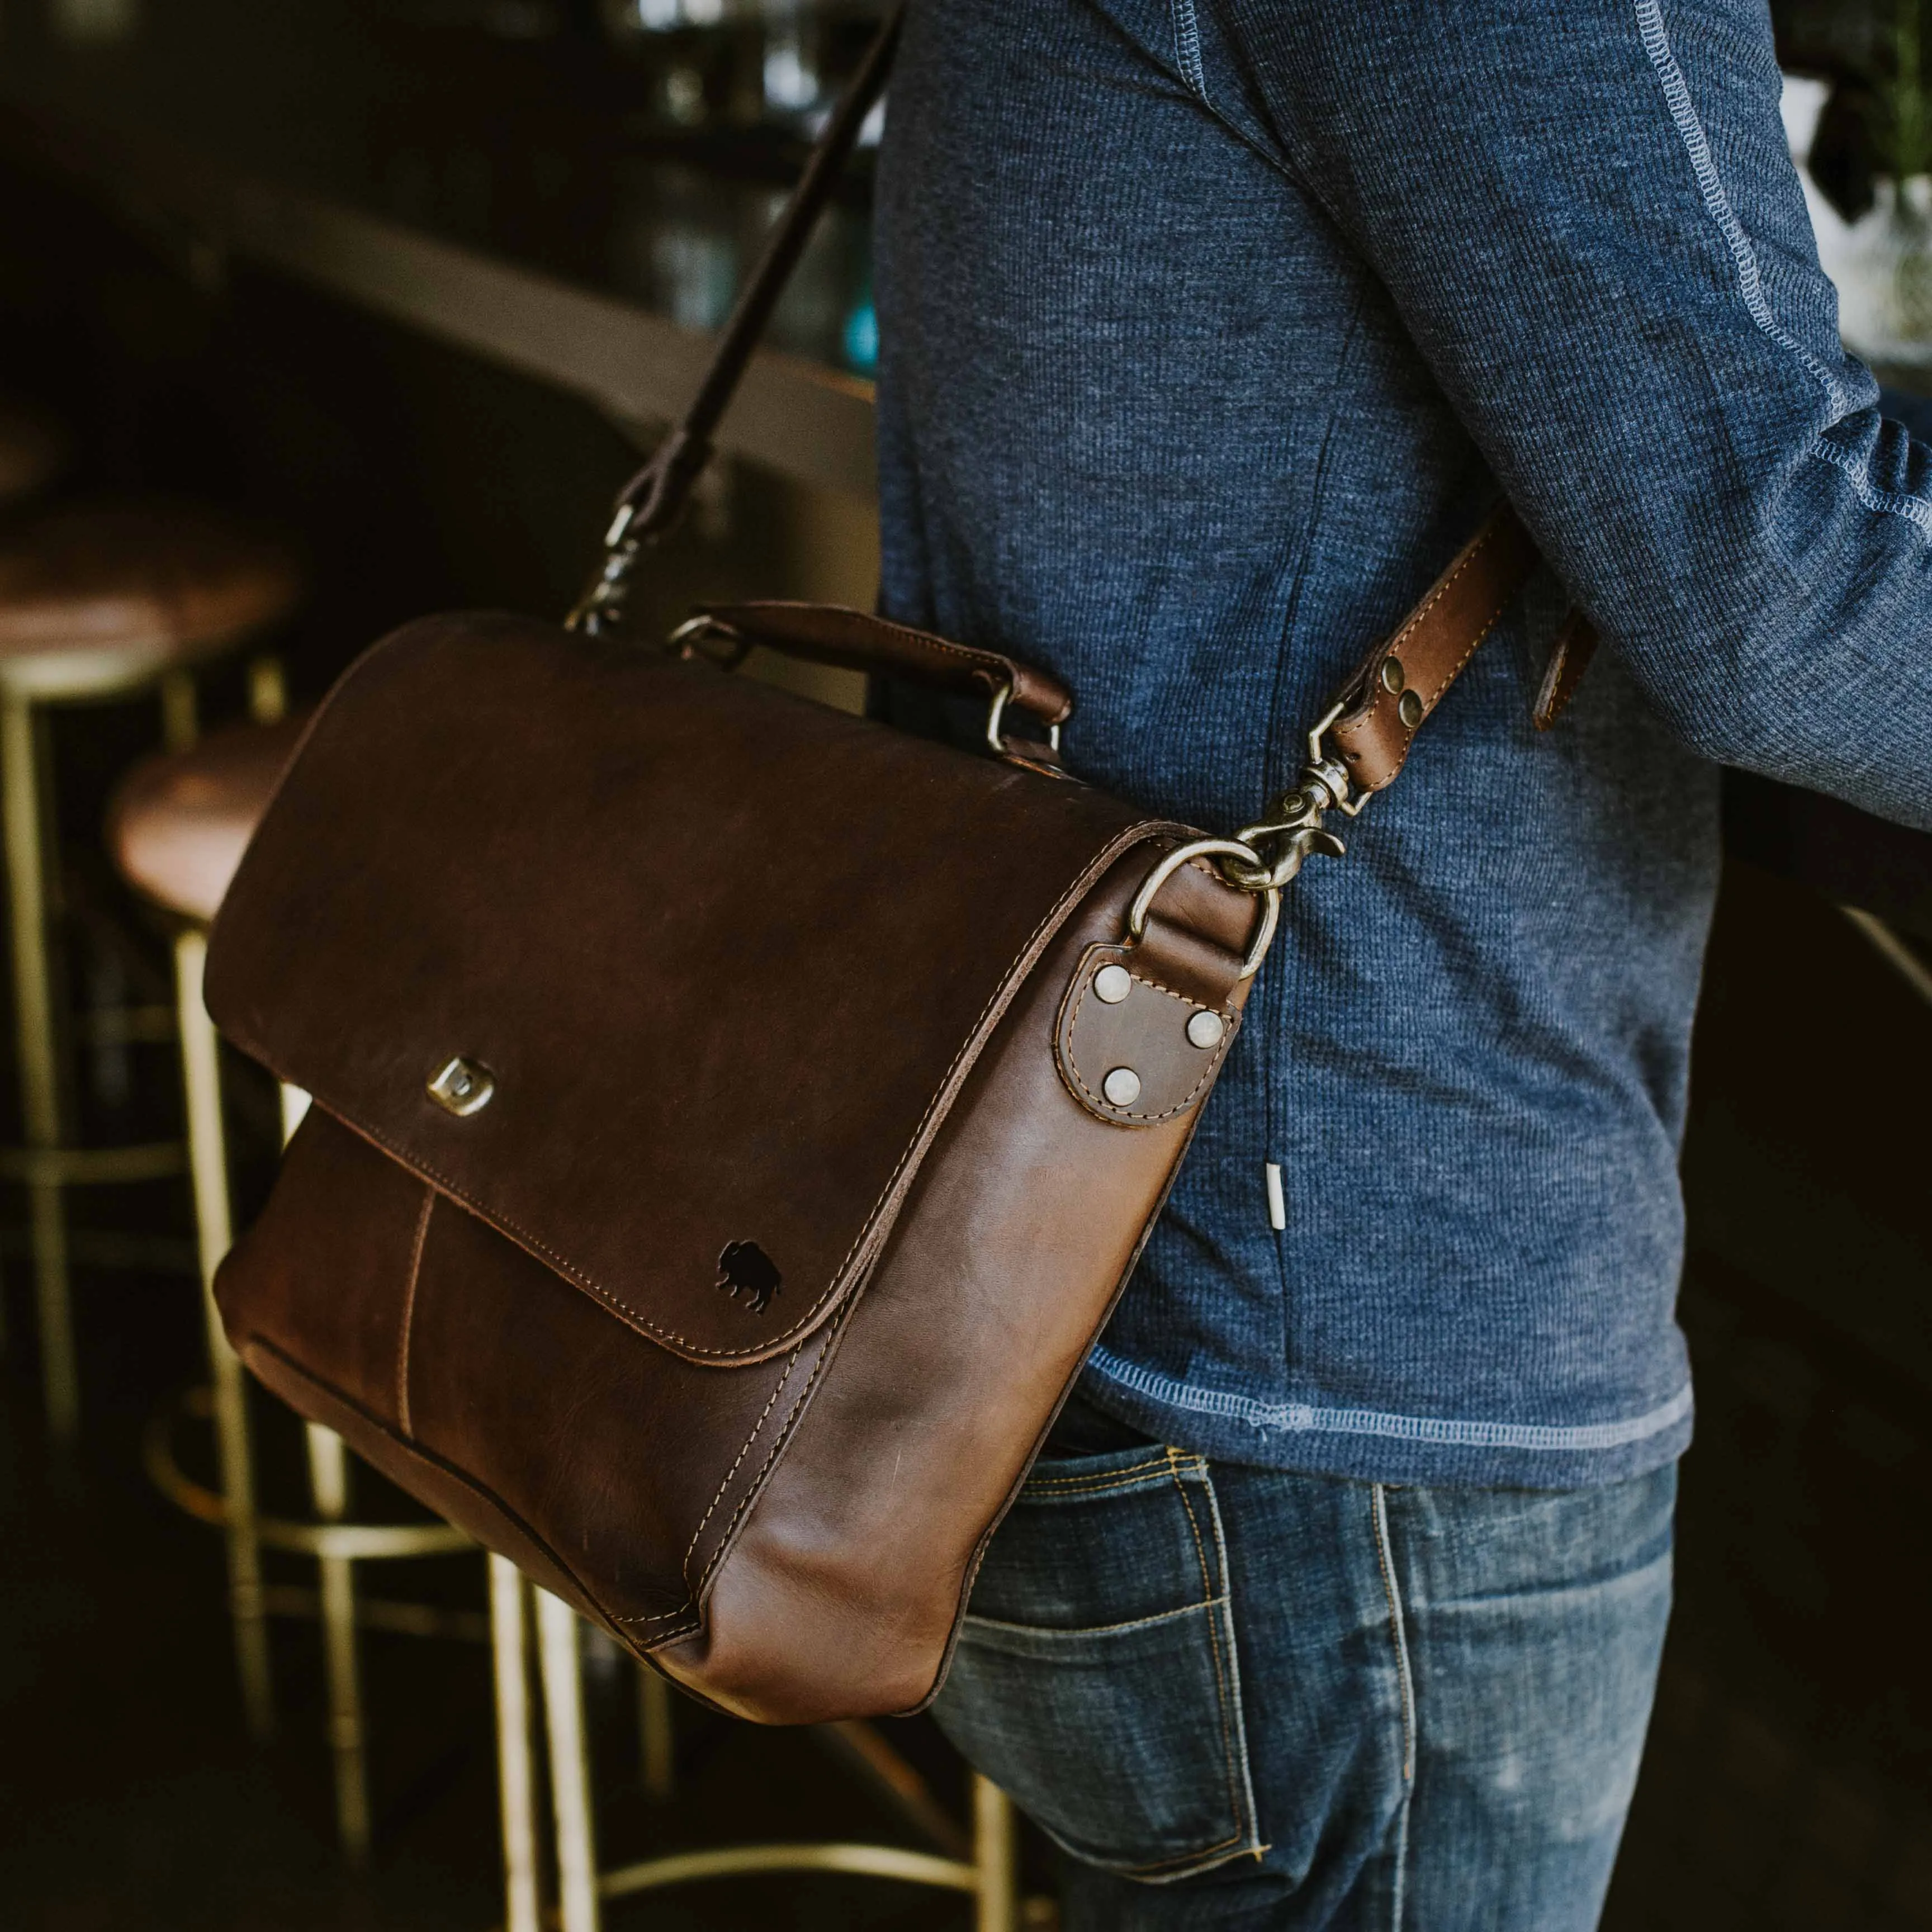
[734, 1120]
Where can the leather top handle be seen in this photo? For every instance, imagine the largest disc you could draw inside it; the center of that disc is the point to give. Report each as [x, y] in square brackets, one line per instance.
[827, 634]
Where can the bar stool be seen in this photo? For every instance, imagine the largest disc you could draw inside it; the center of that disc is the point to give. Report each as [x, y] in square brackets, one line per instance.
[33, 451]
[982, 1864]
[177, 829]
[97, 603]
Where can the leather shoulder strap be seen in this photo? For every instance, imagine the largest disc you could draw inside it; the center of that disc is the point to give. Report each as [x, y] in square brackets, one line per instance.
[656, 497]
[1362, 743]
[1569, 657]
[1391, 693]
[1396, 687]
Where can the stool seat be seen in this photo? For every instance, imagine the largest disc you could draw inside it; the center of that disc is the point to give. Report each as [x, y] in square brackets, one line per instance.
[180, 822]
[96, 599]
[32, 450]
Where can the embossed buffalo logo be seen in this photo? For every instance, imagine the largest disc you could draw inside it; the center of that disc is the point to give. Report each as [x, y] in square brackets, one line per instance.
[745, 1267]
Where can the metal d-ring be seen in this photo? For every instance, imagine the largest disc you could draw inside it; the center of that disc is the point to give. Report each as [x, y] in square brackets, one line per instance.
[691, 629]
[996, 716]
[1202, 848]
[685, 641]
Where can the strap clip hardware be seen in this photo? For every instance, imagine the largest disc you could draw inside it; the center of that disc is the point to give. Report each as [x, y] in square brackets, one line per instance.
[1294, 822]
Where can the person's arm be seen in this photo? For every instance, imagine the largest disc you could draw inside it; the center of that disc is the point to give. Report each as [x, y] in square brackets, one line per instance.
[1587, 215]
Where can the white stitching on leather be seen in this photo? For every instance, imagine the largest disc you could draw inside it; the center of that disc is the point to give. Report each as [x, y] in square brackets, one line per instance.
[690, 1603]
[752, 1488]
[771, 1402]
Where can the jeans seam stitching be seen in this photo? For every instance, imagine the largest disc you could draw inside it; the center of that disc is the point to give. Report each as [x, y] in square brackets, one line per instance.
[1399, 1636]
[1180, 1858]
[1249, 1812]
[1137, 1478]
[1050, 1630]
[1214, 1651]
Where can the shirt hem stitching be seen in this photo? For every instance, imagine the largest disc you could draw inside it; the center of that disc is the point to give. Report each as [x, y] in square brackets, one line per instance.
[1300, 1418]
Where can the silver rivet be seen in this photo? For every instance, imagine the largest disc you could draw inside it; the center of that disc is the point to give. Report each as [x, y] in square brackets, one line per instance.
[461, 1086]
[1205, 1029]
[1410, 710]
[1122, 1086]
[1394, 677]
[1113, 984]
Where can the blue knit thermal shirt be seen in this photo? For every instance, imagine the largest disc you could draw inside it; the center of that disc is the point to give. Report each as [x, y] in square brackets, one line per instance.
[1210, 329]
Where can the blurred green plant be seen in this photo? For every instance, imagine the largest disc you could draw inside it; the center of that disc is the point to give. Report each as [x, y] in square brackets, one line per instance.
[1871, 154]
[1905, 159]
[1878, 121]
[1903, 147]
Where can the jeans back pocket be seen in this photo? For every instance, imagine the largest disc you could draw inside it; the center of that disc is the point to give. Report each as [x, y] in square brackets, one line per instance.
[1096, 1679]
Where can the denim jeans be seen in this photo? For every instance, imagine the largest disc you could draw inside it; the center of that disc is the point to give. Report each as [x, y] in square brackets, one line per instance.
[1242, 1697]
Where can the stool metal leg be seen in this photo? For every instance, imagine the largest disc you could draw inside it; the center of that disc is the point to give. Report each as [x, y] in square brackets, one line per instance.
[180, 710]
[577, 1909]
[996, 1899]
[26, 841]
[267, 690]
[328, 1482]
[657, 1742]
[509, 1644]
[328, 1485]
[208, 1165]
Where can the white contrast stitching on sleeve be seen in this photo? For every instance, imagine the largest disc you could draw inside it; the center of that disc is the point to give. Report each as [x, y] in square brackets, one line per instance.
[1750, 283]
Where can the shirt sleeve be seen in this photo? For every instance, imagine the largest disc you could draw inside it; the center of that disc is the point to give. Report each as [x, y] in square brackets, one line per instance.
[1586, 212]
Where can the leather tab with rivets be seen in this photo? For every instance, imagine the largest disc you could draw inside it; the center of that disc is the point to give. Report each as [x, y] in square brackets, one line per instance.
[1141, 1057]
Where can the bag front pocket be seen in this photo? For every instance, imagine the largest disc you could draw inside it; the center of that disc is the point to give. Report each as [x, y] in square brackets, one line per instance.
[1096, 1679]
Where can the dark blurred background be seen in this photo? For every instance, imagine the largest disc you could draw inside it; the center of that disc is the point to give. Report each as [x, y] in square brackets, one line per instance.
[634, 150]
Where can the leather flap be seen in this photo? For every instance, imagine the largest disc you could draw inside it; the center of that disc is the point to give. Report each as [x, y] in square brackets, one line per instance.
[697, 966]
